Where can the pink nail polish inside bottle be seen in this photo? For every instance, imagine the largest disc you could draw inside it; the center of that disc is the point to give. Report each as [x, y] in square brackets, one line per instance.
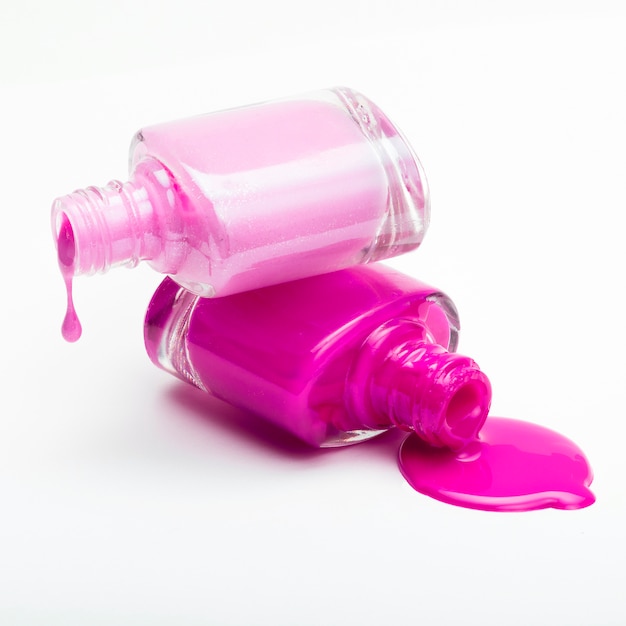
[253, 196]
[334, 359]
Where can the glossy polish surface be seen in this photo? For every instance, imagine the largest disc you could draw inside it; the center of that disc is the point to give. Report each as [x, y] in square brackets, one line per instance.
[514, 466]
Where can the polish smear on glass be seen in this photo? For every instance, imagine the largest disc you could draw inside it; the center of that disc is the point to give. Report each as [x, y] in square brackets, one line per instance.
[514, 466]
[66, 251]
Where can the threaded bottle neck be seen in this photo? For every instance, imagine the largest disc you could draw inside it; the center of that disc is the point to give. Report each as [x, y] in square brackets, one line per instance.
[402, 378]
[108, 224]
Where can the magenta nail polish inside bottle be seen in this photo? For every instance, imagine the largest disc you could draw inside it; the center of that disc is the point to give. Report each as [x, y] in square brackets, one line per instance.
[333, 359]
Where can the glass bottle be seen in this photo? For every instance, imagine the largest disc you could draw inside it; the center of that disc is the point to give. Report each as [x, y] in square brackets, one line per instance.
[333, 359]
[253, 196]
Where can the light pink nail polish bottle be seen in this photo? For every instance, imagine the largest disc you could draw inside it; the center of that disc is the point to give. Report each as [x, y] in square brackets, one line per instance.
[333, 359]
[253, 196]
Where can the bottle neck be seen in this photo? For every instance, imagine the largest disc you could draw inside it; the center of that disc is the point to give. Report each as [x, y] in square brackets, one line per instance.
[116, 224]
[402, 378]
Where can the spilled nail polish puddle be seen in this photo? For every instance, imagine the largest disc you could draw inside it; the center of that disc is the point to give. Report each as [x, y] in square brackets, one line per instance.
[514, 466]
[66, 251]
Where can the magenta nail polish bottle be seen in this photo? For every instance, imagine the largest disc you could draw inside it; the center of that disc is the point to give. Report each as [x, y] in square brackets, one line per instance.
[333, 359]
[253, 196]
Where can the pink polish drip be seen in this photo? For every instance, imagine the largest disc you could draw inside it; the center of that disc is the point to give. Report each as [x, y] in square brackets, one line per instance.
[514, 466]
[66, 251]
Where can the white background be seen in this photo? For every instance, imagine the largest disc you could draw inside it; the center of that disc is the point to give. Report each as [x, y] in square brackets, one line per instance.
[128, 498]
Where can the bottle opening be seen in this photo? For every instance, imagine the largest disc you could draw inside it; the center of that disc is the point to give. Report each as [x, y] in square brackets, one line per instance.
[467, 410]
